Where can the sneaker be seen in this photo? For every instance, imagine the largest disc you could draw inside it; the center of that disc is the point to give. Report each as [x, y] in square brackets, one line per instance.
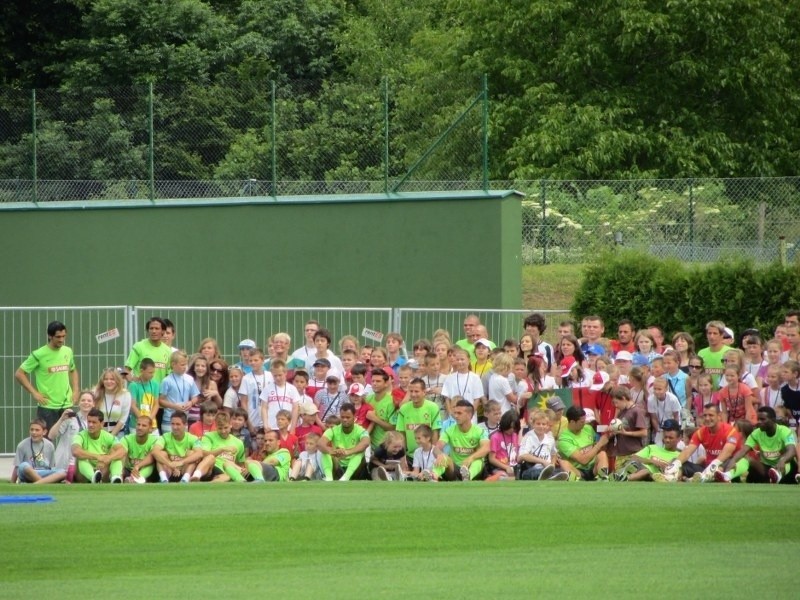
[562, 476]
[774, 476]
[722, 476]
[547, 472]
[97, 477]
[116, 479]
[426, 475]
[620, 476]
[797, 478]
[698, 478]
[380, 474]
[464, 472]
[292, 478]
[658, 477]
[602, 475]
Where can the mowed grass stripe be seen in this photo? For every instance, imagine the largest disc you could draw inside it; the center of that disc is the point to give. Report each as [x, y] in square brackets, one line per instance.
[392, 540]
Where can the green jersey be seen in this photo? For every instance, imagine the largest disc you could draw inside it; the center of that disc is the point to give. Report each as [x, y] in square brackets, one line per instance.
[463, 443]
[234, 448]
[410, 417]
[771, 448]
[714, 363]
[177, 449]
[569, 443]
[282, 461]
[51, 369]
[136, 452]
[100, 445]
[160, 355]
[385, 409]
[341, 439]
[145, 396]
[659, 452]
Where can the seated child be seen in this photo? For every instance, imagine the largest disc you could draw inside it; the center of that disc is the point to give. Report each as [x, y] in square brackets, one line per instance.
[35, 457]
[504, 446]
[389, 459]
[537, 456]
[208, 413]
[307, 466]
[424, 462]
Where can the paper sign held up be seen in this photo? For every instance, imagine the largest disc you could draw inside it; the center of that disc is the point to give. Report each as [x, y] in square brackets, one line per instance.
[107, 336]
[371, 334]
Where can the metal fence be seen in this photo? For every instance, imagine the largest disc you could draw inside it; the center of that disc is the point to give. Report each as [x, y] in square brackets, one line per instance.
[24, 329]
[689, 219]
[244, 139]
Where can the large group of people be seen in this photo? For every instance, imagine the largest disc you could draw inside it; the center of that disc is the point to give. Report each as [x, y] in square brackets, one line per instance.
[638, 407]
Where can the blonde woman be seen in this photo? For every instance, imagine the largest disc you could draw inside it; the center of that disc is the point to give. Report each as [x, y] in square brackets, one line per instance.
[111, 397]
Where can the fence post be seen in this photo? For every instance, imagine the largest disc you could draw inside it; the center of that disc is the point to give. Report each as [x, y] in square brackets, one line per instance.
[485, 128]
[34, 165]
[151, 171]
[273, 130]
[385, 134]
[397, 319]
[543, 184]
[691, 221]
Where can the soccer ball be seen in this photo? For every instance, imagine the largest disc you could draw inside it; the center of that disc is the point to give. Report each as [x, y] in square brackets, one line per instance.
[616, 425]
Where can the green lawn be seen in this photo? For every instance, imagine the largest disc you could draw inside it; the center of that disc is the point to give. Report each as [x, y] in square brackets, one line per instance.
[402, 540]
[550, 286]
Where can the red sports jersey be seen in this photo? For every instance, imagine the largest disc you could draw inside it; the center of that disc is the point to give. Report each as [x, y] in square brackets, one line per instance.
[714, 442]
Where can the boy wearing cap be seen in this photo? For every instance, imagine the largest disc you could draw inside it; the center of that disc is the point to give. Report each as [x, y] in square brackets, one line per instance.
[319, 371]
[356, 393]
[419, 411]
[577, 446]
[330, 398]
[245, 347]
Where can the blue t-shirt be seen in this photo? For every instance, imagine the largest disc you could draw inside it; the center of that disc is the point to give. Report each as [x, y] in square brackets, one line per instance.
[178, 389]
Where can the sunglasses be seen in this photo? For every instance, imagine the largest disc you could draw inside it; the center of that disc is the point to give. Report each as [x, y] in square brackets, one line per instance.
[696, 366]
[217, 370]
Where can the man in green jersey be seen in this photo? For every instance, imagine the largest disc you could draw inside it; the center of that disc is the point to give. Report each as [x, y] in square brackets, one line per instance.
[384, 413]
[225, 458]
[152, 347]
[135, 450]
[714, 355]
[53, 367]
[649, 463]
[469, 445]
[343, 447]
[776, 446]
[92, 451]
[419, 411]
[278, 461]
[177, 452]
[584, 457]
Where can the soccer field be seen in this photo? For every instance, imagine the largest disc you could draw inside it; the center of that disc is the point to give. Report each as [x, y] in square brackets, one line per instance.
[402, 540]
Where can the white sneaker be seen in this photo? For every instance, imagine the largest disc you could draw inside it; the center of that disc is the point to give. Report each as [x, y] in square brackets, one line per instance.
[547, 472]
[465, 475]
[97, 477]
[116, 479]
[722, 476]
[562, 476]
[380, 474]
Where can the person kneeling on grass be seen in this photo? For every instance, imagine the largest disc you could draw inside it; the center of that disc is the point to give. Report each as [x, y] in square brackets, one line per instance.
[538, 458]
[225, 458]
[35, 457]
[775, 448]
[342, 447]
[177, 452]
[276, 463]
[576, 444]
[136, 451]
[92, 451]
[469, 445]
[651, 461]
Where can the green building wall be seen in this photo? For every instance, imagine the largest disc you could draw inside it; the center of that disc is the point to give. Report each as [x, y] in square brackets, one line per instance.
[411, 250]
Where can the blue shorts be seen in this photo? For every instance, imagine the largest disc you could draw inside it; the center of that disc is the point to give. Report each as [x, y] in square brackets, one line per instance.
[39, 472]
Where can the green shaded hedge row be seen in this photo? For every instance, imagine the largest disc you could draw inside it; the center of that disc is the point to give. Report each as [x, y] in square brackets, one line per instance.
[684, 297]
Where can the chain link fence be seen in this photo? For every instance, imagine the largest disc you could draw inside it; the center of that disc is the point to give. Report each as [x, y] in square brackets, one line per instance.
[700, 220]
[246, 139]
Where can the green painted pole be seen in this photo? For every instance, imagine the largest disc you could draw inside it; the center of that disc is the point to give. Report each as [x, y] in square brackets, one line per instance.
[273, 129]
[151, 171]
[35, 164]
[385, 135]
[485, 140]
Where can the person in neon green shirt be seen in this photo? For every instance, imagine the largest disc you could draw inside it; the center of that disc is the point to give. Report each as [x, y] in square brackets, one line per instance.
[649, 463]
[582, 456]
[92, 451]
[225, 458]
[419, 411]
[776, 446]
[152, 347]
[343, 446]
[135, 450]
[56, 377]
[177, 453]
[469, 445]
[384, 413]
[278, 461]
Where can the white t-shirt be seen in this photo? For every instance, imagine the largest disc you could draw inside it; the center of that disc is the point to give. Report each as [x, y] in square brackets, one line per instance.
[251, 388]
[499, 387]
[467, 385]
[278, 397]
[544, 447]
[664, 409]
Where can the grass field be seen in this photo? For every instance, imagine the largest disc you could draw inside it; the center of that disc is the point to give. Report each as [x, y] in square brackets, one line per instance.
[402, 540]
[550, 286]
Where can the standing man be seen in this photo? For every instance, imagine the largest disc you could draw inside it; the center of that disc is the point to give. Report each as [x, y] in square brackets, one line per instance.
[152, 347]
[55, 374]
[624, 341]
[309, 350]
[713, 356]
[471, 324]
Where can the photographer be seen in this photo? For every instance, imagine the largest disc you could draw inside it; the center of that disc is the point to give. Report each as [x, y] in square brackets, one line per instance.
[71, 422]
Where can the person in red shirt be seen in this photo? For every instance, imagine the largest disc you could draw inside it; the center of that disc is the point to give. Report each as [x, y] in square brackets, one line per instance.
[720, 440]
[307, 424]
[356, 393]
[207, 422]
[286, 439]
[624, 341]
